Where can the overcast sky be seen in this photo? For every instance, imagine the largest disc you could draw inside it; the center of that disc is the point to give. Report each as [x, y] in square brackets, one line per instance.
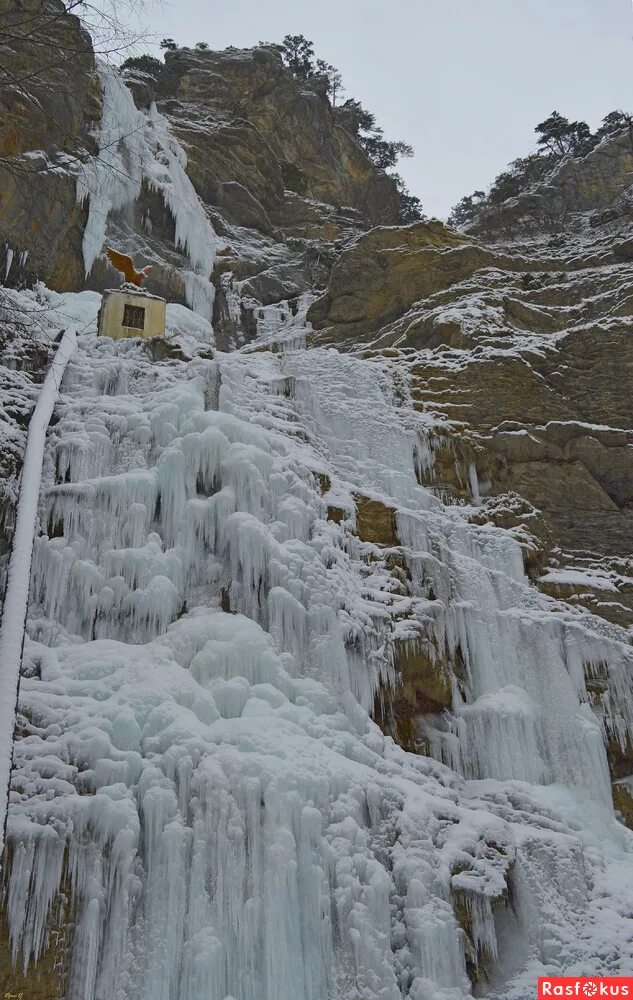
[464, 81]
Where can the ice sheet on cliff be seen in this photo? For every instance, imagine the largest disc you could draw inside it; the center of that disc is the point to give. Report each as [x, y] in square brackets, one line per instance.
[207, 785]
[137, 148]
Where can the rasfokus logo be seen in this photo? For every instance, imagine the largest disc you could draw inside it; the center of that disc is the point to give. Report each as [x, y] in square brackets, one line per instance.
[585, 986]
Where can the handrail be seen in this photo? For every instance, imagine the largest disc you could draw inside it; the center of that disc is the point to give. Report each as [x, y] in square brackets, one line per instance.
[13, 626]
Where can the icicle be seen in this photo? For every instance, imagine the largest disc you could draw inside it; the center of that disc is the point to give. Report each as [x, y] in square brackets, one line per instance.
[8, 260]
[474, 482]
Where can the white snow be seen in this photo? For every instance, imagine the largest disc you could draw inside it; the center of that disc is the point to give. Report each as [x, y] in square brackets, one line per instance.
[579, 578]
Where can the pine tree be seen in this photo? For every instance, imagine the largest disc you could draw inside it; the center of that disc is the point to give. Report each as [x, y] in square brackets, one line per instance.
[354, 117]
[466, 209]
[333, 78]
[168, 44]
[146, 64]
[560, 136]
[362, 124]
[613, 123]
[410, 204]
[298, 52]
[553, 133]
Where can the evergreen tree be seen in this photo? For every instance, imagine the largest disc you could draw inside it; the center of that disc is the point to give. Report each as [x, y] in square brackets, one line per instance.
[202, 47]
[354, 117]
[168, 44]
[553, 134]
[362, 124]
[466, 209]
[561, 137]
[614, 122]
[298, 52]
[410, 205]
[333, 79]
[582, 139]
[382, 152]
[146, 64]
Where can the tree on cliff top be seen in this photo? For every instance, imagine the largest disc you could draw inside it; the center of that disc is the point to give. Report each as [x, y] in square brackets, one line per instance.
[614, 123]
[557, 138]
[298, 54]
[146, 64]
[560, 136]
[333, 79]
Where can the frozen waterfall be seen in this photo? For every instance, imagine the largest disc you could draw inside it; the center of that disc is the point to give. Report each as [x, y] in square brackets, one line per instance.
[200, 798]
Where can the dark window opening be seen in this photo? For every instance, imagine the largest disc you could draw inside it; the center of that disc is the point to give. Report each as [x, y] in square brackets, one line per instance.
[134, 316]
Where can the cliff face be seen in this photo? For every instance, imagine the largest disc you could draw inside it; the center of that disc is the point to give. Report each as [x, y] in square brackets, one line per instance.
[280, 182]
[520, 354]
[260, 118]
[46, 114]
[284, 184]
[376, 474]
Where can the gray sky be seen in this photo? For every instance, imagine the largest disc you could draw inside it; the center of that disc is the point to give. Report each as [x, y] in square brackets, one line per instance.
[464, 81]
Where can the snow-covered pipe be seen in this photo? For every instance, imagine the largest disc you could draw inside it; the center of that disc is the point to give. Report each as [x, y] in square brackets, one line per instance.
[17, 592]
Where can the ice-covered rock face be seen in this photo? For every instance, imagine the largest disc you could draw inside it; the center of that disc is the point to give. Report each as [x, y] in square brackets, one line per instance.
[197, 771]
[136, 148]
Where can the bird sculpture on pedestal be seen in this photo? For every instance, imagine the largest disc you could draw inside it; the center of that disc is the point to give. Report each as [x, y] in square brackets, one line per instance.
[123, 262]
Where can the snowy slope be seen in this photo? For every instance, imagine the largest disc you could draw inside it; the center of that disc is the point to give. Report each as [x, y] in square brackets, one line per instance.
[197, 769]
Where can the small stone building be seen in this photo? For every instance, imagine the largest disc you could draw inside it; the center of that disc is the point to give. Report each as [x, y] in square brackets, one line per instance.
[130, 311]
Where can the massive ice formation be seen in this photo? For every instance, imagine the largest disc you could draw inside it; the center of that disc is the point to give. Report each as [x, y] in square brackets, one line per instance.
[197, 771]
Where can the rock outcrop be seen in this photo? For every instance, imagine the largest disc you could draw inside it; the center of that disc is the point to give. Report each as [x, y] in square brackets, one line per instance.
[246, 122]
[283, 183]
[598, 183]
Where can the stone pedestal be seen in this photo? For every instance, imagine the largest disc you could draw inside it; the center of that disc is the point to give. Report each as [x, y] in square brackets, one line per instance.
[131, 312]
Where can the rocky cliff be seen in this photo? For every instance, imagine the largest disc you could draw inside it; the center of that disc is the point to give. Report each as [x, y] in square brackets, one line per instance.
[519, 351]
[282, 184]
[48, 105]
[522, 355]
[375, 474]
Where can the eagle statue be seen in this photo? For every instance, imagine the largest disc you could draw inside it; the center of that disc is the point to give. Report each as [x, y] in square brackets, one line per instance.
[123, 262]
